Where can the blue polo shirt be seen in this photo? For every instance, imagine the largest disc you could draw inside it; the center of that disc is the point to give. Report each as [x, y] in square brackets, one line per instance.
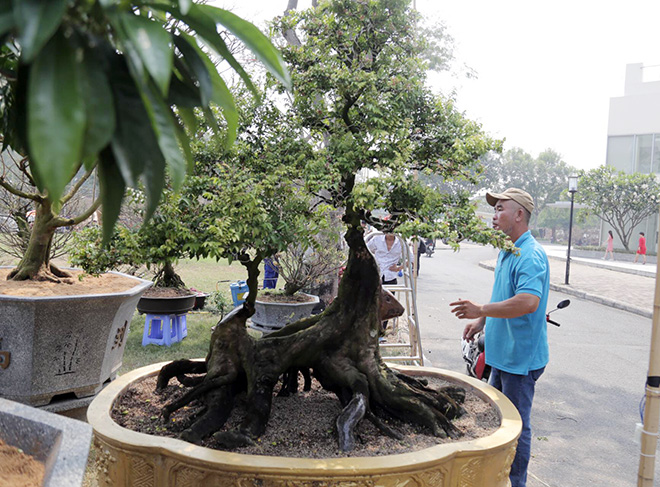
[518, 345]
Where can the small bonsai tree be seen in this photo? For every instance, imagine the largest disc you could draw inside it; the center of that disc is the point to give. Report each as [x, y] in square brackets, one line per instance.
[155, 245]
[110, 87]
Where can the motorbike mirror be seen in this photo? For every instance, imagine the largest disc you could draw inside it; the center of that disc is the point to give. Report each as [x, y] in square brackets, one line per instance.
[564, 303]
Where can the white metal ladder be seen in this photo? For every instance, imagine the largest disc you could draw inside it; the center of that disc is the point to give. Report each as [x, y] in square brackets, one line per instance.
[408, 347]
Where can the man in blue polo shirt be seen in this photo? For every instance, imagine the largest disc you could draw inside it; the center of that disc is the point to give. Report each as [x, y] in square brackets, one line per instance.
[514, 320]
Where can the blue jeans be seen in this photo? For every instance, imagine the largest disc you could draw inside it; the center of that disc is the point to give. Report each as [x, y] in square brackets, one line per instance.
[520, 391]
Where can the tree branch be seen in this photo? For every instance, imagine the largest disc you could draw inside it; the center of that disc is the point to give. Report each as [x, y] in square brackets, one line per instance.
[74, 189]
[80, 218]
[17, 192]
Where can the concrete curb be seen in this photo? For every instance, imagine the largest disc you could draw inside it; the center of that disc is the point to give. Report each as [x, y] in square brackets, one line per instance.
[562, 288]
[591, 263]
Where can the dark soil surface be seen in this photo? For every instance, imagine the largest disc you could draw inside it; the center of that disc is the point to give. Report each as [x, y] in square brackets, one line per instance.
[167, 292]
[275, 297]
[301, 425]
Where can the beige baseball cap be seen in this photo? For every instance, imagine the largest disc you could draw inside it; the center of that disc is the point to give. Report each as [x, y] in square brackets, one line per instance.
[518, 195]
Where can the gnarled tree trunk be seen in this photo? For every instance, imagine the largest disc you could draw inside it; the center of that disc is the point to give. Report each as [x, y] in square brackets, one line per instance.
[340, 346]
[35, 264]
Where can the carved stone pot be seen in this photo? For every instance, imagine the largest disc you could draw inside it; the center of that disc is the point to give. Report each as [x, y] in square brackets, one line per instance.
[270, 316]
[127, 458]
[63, 345]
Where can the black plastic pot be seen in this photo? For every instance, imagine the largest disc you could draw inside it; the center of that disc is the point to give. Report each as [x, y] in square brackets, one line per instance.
[166, 306]
[200, 301]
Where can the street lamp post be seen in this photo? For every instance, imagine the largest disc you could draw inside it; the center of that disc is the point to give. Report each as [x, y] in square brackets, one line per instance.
[572, 188]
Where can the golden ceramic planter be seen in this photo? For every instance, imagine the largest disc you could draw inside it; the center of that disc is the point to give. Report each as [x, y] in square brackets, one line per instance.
[131, 459]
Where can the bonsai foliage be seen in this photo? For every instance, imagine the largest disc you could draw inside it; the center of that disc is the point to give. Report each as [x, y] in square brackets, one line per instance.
[156, 244]
[359, 124]
[620, 200]
[111, 86]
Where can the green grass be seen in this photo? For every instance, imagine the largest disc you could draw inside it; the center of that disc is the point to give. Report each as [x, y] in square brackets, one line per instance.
[195, 345]
[205, 275]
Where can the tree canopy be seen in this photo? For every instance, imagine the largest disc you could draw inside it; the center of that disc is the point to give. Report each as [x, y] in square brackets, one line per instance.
[620, 200]
[113, 85]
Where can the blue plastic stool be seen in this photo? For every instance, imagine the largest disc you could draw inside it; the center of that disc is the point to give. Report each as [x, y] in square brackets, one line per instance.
[160, 330]
[181, 327]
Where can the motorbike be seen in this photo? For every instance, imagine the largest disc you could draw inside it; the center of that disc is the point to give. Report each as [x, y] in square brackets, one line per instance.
[430, 247]
[474, 351]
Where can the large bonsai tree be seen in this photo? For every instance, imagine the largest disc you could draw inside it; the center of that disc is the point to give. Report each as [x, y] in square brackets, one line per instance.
[359, 107]
[110, 86]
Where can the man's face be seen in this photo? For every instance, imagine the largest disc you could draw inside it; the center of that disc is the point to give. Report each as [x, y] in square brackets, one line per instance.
[505, 215]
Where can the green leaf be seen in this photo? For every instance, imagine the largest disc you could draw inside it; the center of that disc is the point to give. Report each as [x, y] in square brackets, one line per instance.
[184, 94]
[213, 86]
[164, 126]
[184, 143]
[7, 21]
[37, 21]
[254, 39]
[99, 105]
[55, 114]
[133, 144]
[206, 28]
[188, 118]
[151, 43]
[112, 187]
[191, 55]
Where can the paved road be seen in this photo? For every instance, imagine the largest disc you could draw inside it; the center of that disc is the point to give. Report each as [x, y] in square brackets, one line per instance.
[587, 402]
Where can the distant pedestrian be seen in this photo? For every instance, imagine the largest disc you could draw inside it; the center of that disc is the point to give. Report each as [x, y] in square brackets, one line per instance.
[271, 272]
[641, 248]
[610, 246]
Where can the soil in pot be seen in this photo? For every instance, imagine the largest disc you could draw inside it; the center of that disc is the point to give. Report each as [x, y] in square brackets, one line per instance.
[270, 297]
[82, 284]
[166, 292]
[18, 469]
[301, 425]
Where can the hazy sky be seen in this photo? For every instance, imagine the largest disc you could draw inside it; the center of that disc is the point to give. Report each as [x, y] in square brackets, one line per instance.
[545, 69]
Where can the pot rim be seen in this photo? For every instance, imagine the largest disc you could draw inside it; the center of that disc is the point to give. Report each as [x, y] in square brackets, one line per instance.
[98, 415]
[315, 301]
[141, 286]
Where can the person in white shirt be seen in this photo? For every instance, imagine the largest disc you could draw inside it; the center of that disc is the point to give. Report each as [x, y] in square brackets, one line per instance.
[387, 252]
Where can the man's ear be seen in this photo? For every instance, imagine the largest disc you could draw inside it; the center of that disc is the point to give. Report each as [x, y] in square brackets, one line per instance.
[520, 214]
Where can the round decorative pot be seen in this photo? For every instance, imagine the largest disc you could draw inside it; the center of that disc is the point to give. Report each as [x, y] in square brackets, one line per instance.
[166, 305]
[127, 458]
[63, 345]
[269, 316]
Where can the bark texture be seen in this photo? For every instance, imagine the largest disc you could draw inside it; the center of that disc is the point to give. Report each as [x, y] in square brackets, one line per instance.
[340, 346]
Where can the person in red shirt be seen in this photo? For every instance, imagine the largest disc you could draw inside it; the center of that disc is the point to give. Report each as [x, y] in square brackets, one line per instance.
[641, 248]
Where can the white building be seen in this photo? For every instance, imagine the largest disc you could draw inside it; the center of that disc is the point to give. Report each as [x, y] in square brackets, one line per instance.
[633, 134]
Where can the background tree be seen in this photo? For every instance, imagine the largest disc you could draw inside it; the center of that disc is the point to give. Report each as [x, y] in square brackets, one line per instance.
[359, 105]
[620, 200]
[545, 177]
[110, 85]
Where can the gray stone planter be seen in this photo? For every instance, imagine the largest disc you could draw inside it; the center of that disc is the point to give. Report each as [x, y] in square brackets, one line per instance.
[273, 316]
[63, 345]
[62, 444]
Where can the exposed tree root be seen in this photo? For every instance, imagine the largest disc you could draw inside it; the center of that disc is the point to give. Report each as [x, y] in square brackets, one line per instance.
[45, 272]
[340, 346]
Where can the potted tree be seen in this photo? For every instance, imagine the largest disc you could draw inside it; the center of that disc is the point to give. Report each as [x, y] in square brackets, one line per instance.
[149, 249]
[306, 271]
[105, 88]
[359, 105]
